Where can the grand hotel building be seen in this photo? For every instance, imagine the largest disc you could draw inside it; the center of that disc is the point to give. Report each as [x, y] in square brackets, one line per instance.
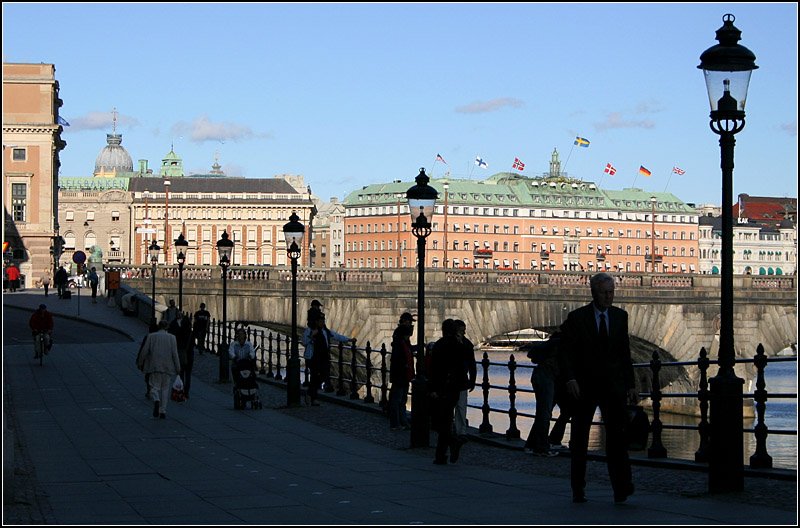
[510, 221]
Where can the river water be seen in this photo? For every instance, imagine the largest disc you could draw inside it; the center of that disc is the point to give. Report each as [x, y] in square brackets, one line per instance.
[780, 414]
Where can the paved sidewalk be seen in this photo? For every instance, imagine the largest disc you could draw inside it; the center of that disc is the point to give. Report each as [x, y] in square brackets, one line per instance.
[96, 456]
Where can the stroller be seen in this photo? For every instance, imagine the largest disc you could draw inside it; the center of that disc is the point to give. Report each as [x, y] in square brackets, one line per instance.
[245, 387]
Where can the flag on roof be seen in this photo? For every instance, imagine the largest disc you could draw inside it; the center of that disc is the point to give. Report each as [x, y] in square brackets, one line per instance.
[678, 171]
[581, 142]
[440, 158]
[643, 171]
[518, 164]
[610, 169]
[480, 163]
[62, 121]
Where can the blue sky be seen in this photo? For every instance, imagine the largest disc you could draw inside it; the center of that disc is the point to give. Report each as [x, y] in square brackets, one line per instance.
[352, 94]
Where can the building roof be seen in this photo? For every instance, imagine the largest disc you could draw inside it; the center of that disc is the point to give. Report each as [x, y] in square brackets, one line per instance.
[764, 208]
[113, 158]
[506, 189]
[211, 185]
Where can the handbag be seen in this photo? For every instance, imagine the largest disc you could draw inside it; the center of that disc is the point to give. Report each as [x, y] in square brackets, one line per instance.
[177, 391]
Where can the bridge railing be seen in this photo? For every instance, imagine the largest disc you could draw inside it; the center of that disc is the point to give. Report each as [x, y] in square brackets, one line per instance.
[363, 374]
[623, 279]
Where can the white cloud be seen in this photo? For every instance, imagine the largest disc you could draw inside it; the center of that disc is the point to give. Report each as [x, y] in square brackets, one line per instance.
[100, 121]
[616, 120]
[493, 105]
[790, 128]
[202, 129]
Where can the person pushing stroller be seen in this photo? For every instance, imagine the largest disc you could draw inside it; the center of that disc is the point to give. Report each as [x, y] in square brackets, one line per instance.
[243, 371]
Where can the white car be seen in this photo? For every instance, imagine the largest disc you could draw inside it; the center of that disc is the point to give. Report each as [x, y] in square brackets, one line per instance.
[75, 281]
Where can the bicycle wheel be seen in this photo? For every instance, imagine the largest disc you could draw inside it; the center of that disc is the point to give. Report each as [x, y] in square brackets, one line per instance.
[38, 348]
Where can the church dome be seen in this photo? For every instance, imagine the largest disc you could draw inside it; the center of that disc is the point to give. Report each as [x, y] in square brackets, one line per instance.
[113, 158]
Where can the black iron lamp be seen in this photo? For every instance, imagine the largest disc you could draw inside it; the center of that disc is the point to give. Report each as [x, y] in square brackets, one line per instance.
[153, 251]
[293, 231]
[180, 244]
[727, 67]
[421, 203]
[225, 249]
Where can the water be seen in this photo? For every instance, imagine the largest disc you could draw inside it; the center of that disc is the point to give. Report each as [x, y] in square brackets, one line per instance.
[780, 414]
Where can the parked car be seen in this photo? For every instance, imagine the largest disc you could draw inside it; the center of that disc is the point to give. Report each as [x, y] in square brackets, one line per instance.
[75, 281]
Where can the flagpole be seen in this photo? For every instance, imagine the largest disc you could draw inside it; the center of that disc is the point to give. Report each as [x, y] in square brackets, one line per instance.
[668, 180]
[564, 169]
[634, 180]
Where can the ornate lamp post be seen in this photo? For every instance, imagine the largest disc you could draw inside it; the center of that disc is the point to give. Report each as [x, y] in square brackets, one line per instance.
[293, 231]
[421, 202]
[180, 244]
[224, 248]
[153, 251]
[727, 67]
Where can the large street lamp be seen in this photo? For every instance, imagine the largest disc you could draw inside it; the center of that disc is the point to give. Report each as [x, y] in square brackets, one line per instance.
[727, 67]
[293, 231]
[153, 251]
[224, 248]
[421, 202]
[181, 244]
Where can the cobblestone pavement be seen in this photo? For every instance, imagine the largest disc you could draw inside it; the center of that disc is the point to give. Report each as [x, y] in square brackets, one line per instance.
[28, 506]
[374, 426]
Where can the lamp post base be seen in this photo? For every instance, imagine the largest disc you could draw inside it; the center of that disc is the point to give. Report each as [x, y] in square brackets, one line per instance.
[223, 362]
[726, 443]
[420, 413]
[293, 382]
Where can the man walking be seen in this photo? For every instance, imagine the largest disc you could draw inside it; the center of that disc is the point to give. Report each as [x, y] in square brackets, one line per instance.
[61, 279]
[202, 319]
[599, 372]
[160, 360]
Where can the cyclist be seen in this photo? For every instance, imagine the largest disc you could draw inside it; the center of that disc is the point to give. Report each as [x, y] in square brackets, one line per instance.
[42, 322]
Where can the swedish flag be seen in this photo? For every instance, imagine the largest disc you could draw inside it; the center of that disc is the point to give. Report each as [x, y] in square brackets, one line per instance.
[581, 142]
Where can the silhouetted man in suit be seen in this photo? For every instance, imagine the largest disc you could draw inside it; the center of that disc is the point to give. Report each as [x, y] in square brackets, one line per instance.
[599, 372]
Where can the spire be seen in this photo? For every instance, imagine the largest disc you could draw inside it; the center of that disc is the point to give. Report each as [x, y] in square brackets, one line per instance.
[555, 164]
[114, 120]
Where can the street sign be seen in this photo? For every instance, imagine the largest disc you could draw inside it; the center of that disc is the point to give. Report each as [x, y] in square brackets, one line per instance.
[146, 230]
[79, 257]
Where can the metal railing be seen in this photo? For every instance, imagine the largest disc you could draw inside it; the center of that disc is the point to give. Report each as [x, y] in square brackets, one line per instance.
[362, 373]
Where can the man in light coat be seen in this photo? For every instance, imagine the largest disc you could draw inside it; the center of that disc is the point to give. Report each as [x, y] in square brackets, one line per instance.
[160, 360]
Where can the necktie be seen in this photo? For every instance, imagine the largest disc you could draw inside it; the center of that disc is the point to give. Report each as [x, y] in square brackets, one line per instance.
[603, 330]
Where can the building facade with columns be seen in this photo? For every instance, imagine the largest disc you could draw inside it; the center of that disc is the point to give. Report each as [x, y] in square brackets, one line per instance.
[31, 145]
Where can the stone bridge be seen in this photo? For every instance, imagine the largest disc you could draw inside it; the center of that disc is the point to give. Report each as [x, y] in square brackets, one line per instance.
[677, 314]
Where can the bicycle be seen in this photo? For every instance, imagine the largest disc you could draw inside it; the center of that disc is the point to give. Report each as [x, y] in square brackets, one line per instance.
[40, 346]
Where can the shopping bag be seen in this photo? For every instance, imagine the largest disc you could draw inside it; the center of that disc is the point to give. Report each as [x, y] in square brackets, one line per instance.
[177, 390]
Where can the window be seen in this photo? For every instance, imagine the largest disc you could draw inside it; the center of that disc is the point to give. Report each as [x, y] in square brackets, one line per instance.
[115, 216]
[89, 215]
[19, 200]
[18, 154]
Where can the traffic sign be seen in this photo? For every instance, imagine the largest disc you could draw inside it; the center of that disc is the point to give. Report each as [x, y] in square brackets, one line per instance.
[79, 257]
[146, 230]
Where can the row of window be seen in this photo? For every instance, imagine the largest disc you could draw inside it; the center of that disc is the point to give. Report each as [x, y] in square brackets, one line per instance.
[357, 212]
[515, 230]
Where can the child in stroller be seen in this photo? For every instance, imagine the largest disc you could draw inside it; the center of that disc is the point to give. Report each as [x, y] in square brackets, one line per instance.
[243, 370]
[245, 386]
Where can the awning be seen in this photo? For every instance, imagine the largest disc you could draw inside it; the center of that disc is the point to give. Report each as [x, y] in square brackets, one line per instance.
[691, 267]
[496, 262]
[534, 263]
[466, 260]
[505, 262]
[552, 247]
